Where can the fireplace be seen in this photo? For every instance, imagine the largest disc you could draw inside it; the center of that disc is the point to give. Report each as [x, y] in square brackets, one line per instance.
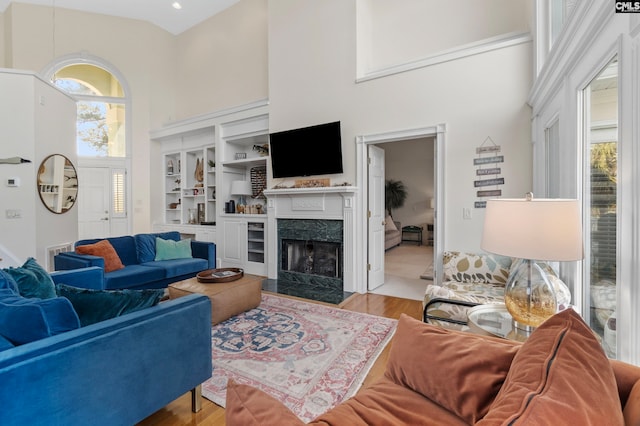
[311, 234]
[312, 257]
[310, 252]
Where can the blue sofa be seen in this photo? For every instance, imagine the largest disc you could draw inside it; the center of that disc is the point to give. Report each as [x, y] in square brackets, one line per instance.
[140, 271]
[115, 372]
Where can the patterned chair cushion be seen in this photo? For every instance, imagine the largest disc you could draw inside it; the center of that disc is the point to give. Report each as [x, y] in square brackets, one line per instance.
[479, 279]
[479, 293]
[475, 268]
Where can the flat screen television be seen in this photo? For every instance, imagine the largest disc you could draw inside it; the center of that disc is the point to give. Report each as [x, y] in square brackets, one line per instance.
[309, 151]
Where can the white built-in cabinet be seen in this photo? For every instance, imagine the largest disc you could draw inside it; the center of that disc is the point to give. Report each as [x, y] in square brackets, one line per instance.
[201, 158]
[243, 159]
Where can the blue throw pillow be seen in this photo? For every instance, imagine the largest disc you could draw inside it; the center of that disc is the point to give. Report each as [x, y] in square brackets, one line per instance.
[169, 249]
[93, 306]
[146, 244]
[33, 280]
[24, 320]
[7, 282]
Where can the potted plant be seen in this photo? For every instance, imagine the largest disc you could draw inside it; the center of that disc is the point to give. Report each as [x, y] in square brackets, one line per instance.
[395, 194]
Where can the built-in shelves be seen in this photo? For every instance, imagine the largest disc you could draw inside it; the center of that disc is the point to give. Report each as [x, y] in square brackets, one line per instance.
[190, 184]
[255, 242]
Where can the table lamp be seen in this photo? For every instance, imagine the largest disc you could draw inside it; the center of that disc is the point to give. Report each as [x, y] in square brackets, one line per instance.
[241, 188]
[532, 230]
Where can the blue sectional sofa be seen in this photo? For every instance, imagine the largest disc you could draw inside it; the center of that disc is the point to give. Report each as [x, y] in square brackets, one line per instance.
[115, 372]
[141, 270]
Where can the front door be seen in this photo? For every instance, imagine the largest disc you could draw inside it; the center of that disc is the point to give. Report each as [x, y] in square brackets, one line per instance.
[93, 202]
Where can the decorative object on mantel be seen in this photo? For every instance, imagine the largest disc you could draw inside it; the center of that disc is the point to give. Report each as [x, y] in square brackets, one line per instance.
[14, 160]
[312, 183]
[487, 171]
[336, 185]
[262, 150]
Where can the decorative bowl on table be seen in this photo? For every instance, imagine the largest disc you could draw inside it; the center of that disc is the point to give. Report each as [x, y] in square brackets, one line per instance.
[220, 275]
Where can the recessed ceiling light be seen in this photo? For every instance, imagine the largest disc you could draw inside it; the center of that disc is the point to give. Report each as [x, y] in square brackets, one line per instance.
[176, 5]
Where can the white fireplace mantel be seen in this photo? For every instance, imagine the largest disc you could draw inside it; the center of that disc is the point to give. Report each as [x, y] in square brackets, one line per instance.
[328, 203]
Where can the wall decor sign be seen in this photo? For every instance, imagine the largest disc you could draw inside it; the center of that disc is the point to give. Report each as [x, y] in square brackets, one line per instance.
[485, 162]
[492, 171]
[488, 182]
[489, 193]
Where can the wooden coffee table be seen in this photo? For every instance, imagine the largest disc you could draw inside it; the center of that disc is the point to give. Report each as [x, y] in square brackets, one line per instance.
[227, 299]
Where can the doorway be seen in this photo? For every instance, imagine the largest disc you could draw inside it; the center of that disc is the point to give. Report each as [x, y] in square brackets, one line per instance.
[407, 247]
[434, 138]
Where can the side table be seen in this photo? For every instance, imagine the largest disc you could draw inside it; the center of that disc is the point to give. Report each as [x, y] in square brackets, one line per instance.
[494, 320]
[412, 230]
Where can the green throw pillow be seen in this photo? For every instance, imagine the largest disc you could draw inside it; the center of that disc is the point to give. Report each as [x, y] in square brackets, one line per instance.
[33, 280]
[93, 306]
[169, 249]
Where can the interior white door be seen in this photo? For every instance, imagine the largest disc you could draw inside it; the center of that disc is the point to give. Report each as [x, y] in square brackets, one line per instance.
[376, 217]
[93, 202]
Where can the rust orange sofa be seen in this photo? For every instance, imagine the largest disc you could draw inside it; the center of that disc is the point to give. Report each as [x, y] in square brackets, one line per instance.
[559, 376]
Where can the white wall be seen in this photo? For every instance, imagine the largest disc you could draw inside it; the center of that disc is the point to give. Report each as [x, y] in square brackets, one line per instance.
[37, 120]
[222, 62]
[312, 72]
[407, 30]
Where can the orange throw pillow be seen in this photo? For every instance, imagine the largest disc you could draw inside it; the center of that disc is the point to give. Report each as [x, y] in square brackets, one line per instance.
[105, 250]
[462, 372]
[560, 376]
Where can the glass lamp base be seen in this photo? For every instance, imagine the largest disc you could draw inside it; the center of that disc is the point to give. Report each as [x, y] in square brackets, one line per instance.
[529, 296]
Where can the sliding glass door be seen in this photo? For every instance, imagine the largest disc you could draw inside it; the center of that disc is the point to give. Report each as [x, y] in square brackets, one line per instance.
[600, 195]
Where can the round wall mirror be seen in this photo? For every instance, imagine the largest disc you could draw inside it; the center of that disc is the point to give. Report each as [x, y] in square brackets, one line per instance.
[57, 183]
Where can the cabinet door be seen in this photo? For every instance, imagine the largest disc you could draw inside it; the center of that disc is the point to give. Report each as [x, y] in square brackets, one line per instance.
[235, 241]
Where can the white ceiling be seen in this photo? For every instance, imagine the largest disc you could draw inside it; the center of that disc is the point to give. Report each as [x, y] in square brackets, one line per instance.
[158, 12]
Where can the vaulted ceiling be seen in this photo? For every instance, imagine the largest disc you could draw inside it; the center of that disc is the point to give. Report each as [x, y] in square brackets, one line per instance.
[159, 12]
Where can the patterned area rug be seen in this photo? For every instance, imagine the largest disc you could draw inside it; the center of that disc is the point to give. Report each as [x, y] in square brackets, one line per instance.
[307, 355]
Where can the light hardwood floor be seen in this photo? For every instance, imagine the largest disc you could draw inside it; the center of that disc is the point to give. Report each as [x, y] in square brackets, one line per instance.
[403, 266]
[179, 411]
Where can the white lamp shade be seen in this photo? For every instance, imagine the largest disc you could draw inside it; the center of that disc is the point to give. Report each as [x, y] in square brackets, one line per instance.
[537, 229]
[240, 187]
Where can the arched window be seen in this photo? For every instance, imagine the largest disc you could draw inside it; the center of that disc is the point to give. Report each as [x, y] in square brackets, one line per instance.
[104, 156]
[101, 109]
